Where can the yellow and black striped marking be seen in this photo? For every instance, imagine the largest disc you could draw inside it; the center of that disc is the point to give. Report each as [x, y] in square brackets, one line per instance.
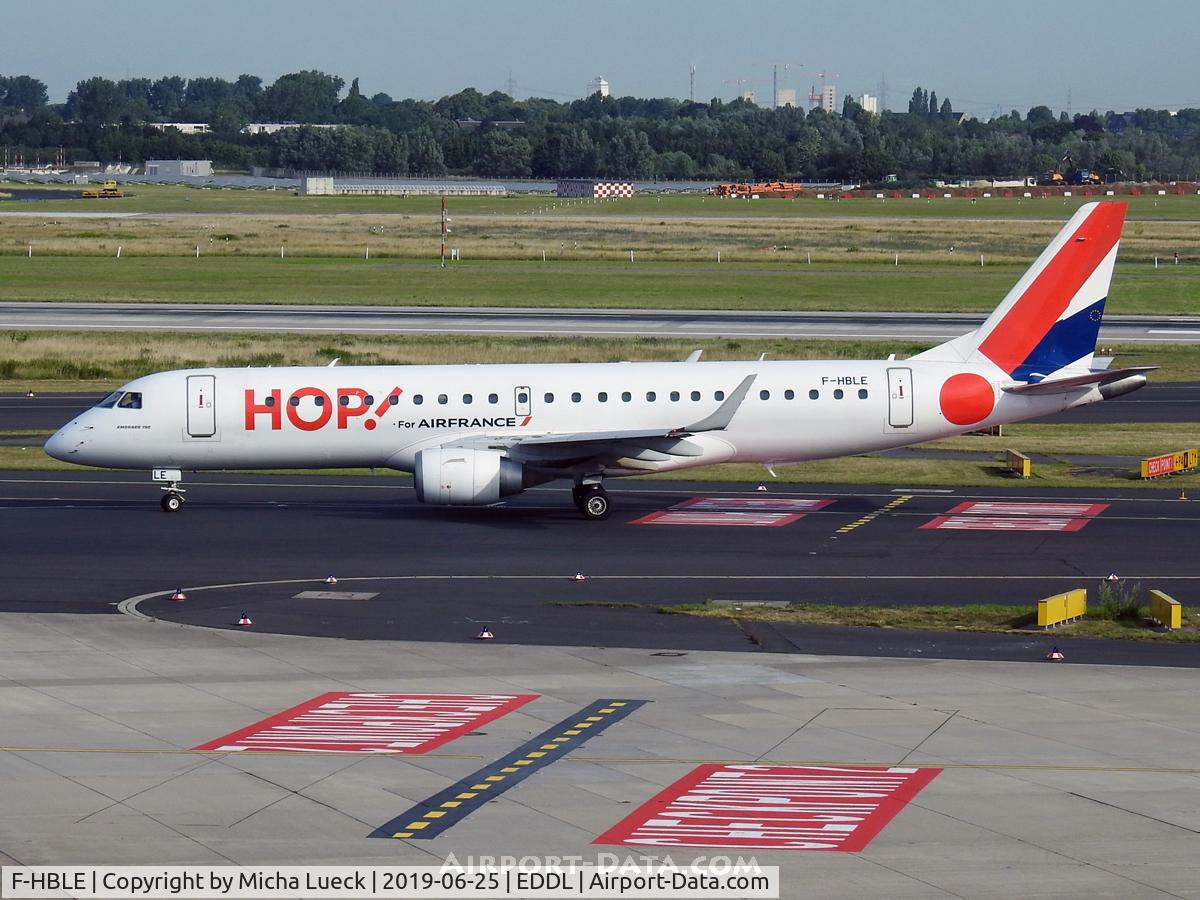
[431, 817]
[871, 517]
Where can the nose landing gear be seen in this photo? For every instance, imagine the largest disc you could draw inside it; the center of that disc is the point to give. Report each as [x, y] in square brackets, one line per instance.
[172, 498]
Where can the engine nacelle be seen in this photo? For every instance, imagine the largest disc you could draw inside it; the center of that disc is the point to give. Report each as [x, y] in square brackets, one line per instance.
[463, 477]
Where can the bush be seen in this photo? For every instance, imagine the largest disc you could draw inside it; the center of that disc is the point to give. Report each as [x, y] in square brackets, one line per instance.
[1119, 599]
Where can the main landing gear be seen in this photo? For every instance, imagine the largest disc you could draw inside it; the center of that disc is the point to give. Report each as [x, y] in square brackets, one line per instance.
[592, 500]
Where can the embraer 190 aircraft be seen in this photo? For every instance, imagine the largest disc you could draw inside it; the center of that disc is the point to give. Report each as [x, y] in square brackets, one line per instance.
[472, 434]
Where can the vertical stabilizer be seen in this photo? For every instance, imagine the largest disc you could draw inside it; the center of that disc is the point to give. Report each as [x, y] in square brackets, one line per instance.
[1050, 319]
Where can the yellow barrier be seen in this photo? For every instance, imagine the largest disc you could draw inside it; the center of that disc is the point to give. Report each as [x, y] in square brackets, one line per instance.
[1170, 463]
[1062, 608]
[1019, 463]
[1165, 611]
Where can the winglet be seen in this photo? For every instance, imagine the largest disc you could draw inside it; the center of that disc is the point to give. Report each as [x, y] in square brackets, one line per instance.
[723, 415]
[695, 355]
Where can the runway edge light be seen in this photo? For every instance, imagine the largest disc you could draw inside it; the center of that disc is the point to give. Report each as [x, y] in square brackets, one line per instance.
[1055, 655]
[485, 634]
[244, 620]
[179, 596]
[331, 580]
[579, 576]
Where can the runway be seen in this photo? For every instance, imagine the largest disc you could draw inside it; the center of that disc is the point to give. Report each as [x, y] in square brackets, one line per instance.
[88, 541]
[931, 327]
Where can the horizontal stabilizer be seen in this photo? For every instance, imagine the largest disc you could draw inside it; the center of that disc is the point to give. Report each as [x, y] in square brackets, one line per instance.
[1072, 382]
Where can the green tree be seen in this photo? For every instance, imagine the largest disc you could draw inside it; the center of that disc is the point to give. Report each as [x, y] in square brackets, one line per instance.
[500, 153]
[21, 92]
[307, 96]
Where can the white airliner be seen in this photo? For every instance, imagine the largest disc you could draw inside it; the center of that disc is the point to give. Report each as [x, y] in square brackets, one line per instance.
[472, 434]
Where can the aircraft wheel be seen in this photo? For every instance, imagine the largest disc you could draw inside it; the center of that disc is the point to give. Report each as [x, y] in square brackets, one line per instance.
[171, 502]
[596, 505]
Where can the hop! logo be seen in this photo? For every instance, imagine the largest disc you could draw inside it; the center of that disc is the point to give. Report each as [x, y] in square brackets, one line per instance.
[350, 403]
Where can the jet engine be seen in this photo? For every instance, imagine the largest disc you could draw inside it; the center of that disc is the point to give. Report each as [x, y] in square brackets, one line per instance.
[465, 477]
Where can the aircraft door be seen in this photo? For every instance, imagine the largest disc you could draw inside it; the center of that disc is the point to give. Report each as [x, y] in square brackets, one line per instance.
[201, 406]
[522, 400]
[900, 402]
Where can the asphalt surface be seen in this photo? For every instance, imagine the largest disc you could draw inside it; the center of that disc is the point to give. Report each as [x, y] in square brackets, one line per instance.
[82, 542]
[1157, 402]
[540, 322]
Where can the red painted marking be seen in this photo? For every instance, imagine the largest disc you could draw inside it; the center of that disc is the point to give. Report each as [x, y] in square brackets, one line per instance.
[966, 398]
[718, 517]
[773, 807]
[1007, 508]
[763, 512]
[773, 504]
[367, 722]
[1045, 300]
[387, 401]
[1004, 523]
[525, 421]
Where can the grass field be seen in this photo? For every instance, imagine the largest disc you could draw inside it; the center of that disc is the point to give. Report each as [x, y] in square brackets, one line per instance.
[993, 618]
[774, 285]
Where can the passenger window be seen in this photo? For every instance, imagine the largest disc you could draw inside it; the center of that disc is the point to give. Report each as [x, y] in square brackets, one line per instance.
[764, 395]
[369, 400]
[862, 393]
[295, 401]
[813, 395]
[110, 401]
[393, 399]
[344, 400]
[493, 399]
[443, 399]
[269, 401]
[839, 394]
[626, 396]
[651, 396]
[576, 397]
[789, 394]
[549, 398]
[468, 399]
[674, 396]
[417, 399]
[523, 397]
[319, 401]
[718, 395]
[695, 395]
[602, 396]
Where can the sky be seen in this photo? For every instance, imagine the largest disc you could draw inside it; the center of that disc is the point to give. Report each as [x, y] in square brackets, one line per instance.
[984, 56]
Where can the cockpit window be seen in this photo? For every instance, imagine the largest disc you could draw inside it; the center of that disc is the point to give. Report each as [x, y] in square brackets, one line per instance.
[110, 401]
[131, 400]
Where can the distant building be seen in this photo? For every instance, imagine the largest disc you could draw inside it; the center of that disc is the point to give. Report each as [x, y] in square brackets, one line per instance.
[598, 85]
[272, 127]
[785, 97]
[825, 98]
[182, 127]
[593, 188]
[748, 96]
[179, 168]
[869, 103]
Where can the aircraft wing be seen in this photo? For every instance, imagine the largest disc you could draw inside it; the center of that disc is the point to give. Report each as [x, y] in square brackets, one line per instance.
[647, 444]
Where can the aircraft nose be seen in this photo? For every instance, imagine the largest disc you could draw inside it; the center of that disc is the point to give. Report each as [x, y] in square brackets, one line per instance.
[64, 443]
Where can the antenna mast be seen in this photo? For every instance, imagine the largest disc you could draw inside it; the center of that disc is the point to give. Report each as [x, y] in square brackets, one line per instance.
[443, 231]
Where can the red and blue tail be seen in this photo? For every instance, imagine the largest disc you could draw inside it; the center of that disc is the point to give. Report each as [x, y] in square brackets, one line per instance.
[1049, 321]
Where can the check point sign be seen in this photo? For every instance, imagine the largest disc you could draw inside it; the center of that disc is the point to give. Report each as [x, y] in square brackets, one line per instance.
[766, 807]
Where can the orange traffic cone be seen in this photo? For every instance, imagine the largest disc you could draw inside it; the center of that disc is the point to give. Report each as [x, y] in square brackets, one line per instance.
[244, 620]
[1055, 655]
[331, 580]
[485, 635]
[179, 596]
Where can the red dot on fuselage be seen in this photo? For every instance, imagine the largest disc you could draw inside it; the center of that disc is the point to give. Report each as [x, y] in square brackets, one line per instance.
[369, 424]
[967, 398]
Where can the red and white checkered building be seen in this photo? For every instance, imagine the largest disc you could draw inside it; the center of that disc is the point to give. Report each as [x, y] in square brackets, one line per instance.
[593, 189]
